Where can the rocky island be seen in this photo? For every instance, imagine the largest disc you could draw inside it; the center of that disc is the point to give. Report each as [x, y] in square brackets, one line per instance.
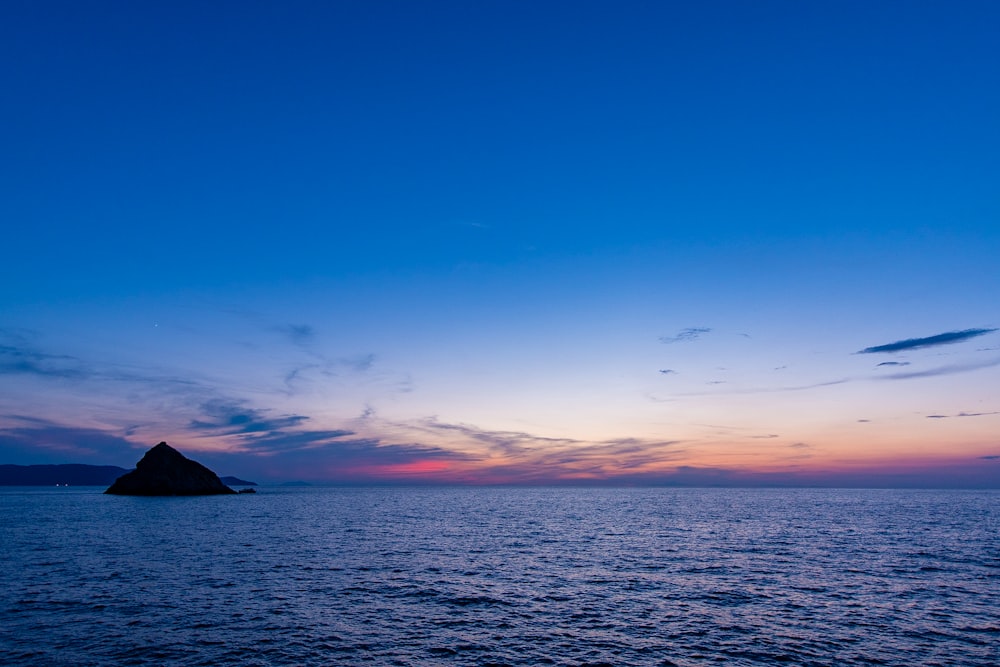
[163, 471]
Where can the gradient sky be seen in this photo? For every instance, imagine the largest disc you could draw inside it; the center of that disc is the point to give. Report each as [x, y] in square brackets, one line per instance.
[629, 242]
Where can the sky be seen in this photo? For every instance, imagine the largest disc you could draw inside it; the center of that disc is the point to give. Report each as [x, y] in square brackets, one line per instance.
[712, 243]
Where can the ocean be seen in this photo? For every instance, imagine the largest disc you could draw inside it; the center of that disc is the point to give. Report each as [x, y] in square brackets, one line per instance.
[501, 576]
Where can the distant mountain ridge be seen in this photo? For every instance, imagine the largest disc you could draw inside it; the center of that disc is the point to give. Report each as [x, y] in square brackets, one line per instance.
[74, 474]
[229, 480]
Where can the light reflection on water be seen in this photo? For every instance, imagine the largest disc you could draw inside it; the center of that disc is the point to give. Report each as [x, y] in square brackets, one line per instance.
[493, 576]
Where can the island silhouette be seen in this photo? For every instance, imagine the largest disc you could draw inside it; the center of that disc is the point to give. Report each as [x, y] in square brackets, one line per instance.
[164, 471]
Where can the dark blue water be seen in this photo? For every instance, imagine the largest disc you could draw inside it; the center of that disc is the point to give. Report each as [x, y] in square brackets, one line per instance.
[444, 576]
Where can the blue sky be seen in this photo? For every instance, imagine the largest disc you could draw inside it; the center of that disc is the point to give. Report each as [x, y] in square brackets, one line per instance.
[504, 241]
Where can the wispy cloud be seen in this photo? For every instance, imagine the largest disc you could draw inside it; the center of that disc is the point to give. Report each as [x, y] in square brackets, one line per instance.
[311, 362]
[964, 414]
[508, 443]
[800, 451]
[212, 416]
[343, 456]
[522, 457]
[668, 371]
[330, 455]
[760, 390]
[21, 361]
[302, 376]
[299, 334]
[893, 363]
[20, 356]
[32, 440]
[359, 362]
[227, 417]
[686, 335]
[946, 338]
[278, 441]
[950, 369]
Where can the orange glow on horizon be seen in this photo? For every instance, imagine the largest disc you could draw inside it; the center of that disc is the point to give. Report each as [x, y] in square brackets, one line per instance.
[414, 468]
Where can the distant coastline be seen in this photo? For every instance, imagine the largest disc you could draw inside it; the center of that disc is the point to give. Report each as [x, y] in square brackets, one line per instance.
[74, 474]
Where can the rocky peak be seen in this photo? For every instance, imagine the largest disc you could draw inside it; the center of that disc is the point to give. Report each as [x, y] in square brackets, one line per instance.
[163, 471]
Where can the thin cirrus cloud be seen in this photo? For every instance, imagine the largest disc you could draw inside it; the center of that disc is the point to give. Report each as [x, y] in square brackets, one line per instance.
[506, 443]
[755, 390]
[946, 338]
[299, 334]
[286, 442]
[269, 445]
[686, 335]
[340, 456]
[317, 454]
[32, 440]
[278, 441]
[230, 417]
[521, 457]
[210, 413]
[950, 369]
[359, 362]
[20, 356]
[964, 414]
[305, 335]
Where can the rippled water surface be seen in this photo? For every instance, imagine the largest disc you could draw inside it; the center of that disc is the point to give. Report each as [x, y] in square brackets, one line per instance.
[435, 576]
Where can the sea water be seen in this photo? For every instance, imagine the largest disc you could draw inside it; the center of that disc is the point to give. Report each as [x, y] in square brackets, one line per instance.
[501, 576]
